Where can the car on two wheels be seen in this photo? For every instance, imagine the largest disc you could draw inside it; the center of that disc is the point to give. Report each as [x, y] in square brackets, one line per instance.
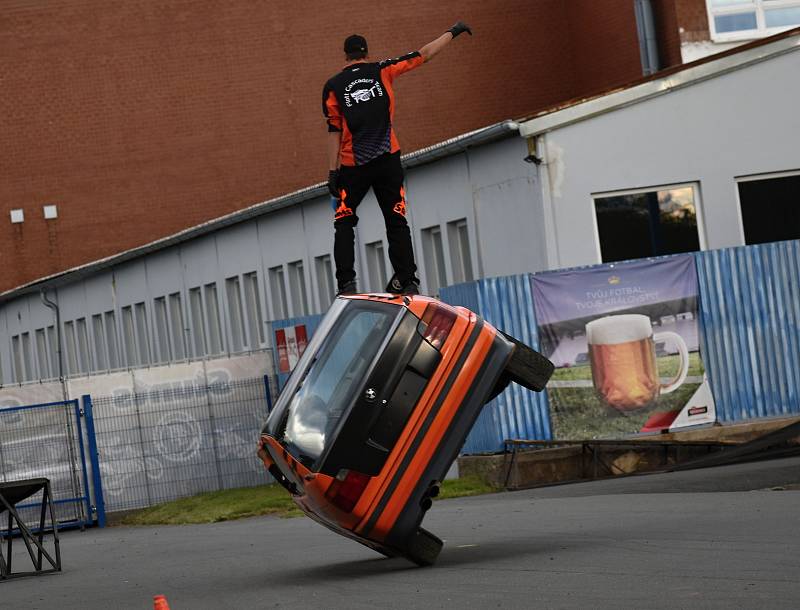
[379, 406]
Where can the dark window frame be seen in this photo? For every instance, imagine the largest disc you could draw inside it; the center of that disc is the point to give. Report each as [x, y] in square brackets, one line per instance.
[648, 239]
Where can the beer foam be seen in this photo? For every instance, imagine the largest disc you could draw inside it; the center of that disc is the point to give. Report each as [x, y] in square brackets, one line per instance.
[611, 330]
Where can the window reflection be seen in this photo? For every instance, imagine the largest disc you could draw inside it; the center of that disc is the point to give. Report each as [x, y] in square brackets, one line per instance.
[735, 23]
[649, 223]
[333, 377]
[780, 17]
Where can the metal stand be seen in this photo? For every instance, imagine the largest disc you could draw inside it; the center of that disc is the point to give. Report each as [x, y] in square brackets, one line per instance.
[11, 494]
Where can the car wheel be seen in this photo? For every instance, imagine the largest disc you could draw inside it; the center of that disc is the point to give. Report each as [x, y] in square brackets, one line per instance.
[385, 551]
[528, 367]
[423, 547]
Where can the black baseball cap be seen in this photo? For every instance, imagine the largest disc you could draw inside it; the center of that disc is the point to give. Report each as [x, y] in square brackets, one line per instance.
[355, 44]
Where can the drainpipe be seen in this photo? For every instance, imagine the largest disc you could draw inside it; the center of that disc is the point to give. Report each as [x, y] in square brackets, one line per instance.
[67, 417]
[646, 30]
[59, 350]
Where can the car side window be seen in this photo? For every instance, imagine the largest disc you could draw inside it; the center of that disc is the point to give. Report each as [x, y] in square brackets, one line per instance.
[327, 389]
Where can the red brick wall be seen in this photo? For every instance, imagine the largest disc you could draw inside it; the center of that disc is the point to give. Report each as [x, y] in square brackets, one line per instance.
[141, 118]
[604, 43]
[693, 20]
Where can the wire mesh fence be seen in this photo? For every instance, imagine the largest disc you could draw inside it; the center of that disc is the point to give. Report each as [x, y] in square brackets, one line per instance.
[44, 441]
[168, 444]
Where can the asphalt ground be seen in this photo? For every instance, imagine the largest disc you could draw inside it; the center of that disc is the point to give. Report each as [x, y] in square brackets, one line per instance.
[727, 537]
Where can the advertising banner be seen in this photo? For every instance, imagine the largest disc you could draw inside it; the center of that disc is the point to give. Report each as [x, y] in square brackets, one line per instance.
[291, 343]
[624, 339]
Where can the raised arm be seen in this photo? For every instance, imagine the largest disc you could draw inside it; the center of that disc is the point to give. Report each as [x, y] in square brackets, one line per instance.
[433, 47]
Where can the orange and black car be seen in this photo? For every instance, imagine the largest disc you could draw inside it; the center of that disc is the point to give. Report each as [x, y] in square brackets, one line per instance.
[379, 406]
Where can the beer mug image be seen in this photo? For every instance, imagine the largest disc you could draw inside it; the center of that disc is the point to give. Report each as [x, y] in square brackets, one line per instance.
[622, 356]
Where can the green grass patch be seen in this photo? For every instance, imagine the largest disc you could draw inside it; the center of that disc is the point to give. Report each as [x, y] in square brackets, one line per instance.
[218, 506]
[273, 499]
[465, 486]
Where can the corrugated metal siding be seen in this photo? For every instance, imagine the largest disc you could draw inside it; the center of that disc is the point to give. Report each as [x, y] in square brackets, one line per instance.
[750, 325]
[506, 303]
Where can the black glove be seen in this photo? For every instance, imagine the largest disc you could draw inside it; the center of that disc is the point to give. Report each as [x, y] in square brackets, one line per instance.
[459, 28]
[333, 183]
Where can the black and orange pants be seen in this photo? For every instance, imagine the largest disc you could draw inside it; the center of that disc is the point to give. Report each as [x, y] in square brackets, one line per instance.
[384, 175]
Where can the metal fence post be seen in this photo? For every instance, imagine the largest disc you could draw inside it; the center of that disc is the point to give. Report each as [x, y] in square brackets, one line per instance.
[213, 427]
[97, 481]
[268, 394]
[141, 446]
[78, 414]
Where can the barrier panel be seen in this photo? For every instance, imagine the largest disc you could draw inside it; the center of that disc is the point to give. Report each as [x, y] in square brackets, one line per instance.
[47, 441]
[750, 316]
[158, 446]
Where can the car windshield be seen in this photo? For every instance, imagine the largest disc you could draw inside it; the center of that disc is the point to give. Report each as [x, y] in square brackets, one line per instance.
[325, 384]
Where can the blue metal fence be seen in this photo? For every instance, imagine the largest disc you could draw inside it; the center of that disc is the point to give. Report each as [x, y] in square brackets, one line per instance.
[749, 334]
[47, 440]
[750, 316]
[507, 304]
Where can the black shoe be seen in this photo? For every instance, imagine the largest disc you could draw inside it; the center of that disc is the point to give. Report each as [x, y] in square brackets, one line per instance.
[347, 288]
[411, 287]
[395, 286]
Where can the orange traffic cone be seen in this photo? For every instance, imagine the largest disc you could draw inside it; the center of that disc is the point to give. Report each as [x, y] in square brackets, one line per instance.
[160, 603]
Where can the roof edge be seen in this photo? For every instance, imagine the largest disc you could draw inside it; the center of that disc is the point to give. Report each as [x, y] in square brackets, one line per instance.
[643, 90]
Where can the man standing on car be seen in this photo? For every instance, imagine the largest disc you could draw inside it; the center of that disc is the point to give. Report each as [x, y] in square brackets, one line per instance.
[363, 152]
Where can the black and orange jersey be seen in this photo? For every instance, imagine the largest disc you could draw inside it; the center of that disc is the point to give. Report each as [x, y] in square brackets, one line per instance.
[359, 102]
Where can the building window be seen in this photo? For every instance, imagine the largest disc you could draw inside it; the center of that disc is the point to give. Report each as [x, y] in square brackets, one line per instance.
[236, 315]
[643, 223]
[129, 336]
[770, 208]
[21, 348]
[52, 343]
[177, 327]
[134, 331]
[162, 330]
[98, 333]
[297, 286]
[71, 348]
[280, 308]
[433, 253]
[84, 355]
[27, 356]
[110, 320]
[16, 349]
[747, 19]
[376, 266]
[214, 322]
[142, 334]
[325, 282]
[41, 354]
[252, 302]
[460, 254]
[198, 322]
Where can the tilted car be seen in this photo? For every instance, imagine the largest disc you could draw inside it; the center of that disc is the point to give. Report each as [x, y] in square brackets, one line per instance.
[379, 406]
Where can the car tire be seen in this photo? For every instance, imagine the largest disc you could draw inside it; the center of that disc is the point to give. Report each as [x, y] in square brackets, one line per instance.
[385, 551]
[528, 367]
[423, 548]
